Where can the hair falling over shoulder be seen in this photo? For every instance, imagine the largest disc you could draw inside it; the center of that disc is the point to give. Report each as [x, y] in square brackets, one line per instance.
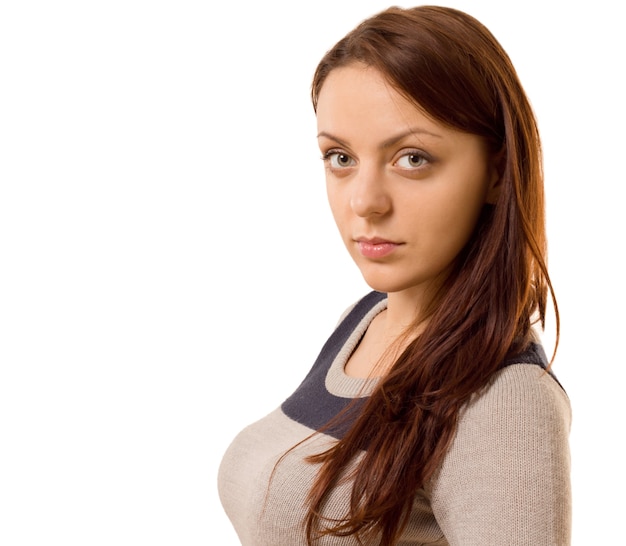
[451, 66]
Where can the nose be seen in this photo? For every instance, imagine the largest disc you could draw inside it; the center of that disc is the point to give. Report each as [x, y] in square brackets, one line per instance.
[369, 195]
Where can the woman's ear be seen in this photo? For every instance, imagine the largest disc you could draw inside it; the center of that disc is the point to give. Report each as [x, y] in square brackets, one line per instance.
[496, 172]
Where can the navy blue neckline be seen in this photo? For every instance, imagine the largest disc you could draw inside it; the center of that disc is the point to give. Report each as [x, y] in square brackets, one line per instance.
[313, 406]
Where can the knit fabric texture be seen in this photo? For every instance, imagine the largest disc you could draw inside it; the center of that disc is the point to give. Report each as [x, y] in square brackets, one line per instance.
[505, 480]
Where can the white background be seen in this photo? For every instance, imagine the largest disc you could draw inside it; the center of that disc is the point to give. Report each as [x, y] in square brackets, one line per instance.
[169, 271]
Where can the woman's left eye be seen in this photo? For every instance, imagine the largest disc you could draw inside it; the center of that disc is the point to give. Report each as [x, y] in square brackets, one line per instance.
[411, 160]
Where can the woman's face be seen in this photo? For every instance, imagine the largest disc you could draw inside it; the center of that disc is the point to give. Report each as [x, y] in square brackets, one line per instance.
[405, 190]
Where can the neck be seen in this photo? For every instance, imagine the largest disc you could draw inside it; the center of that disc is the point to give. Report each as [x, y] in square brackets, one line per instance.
[404, 310]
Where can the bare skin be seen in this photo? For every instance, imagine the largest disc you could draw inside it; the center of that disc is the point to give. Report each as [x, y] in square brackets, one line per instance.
[405, 191]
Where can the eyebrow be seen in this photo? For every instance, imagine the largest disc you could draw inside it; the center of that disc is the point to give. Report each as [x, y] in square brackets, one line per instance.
[390, 141]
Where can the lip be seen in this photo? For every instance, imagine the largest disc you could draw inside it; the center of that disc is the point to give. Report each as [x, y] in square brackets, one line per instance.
[375, 247]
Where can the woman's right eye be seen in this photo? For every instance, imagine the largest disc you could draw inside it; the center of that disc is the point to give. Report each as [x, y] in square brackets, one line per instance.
[338, 160]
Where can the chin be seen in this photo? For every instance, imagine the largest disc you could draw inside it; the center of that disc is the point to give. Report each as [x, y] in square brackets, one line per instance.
[385, 285]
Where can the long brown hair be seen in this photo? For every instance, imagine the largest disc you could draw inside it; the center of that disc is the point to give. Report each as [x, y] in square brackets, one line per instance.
[452, 67]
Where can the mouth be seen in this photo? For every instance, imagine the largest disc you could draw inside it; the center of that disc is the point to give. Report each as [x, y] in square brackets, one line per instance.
[375, 247]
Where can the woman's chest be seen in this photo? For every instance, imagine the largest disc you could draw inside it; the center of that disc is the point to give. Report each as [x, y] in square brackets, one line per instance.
[263, 486]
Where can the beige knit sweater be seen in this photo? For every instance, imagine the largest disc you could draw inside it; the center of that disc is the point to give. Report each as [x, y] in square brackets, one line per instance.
[504, 482]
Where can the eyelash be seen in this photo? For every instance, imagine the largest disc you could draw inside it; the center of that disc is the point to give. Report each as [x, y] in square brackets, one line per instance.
[330, 153]
[326, 157]
[414, 153]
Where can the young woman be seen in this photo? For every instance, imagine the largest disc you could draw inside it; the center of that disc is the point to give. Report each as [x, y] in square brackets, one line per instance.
[430, 415]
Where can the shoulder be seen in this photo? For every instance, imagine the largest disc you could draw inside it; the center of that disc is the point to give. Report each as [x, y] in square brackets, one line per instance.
[506, 476]
[515, 391]
[522, 411]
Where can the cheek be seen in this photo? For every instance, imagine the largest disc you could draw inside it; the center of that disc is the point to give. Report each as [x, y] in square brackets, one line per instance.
[336, 211]
[448, 219]
[337, 206]
[464, 210]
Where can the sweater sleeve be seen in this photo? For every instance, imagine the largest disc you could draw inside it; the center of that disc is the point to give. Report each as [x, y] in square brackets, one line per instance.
[506, 477]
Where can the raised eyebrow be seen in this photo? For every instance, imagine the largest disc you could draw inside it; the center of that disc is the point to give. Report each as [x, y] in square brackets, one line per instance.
[388, 142]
